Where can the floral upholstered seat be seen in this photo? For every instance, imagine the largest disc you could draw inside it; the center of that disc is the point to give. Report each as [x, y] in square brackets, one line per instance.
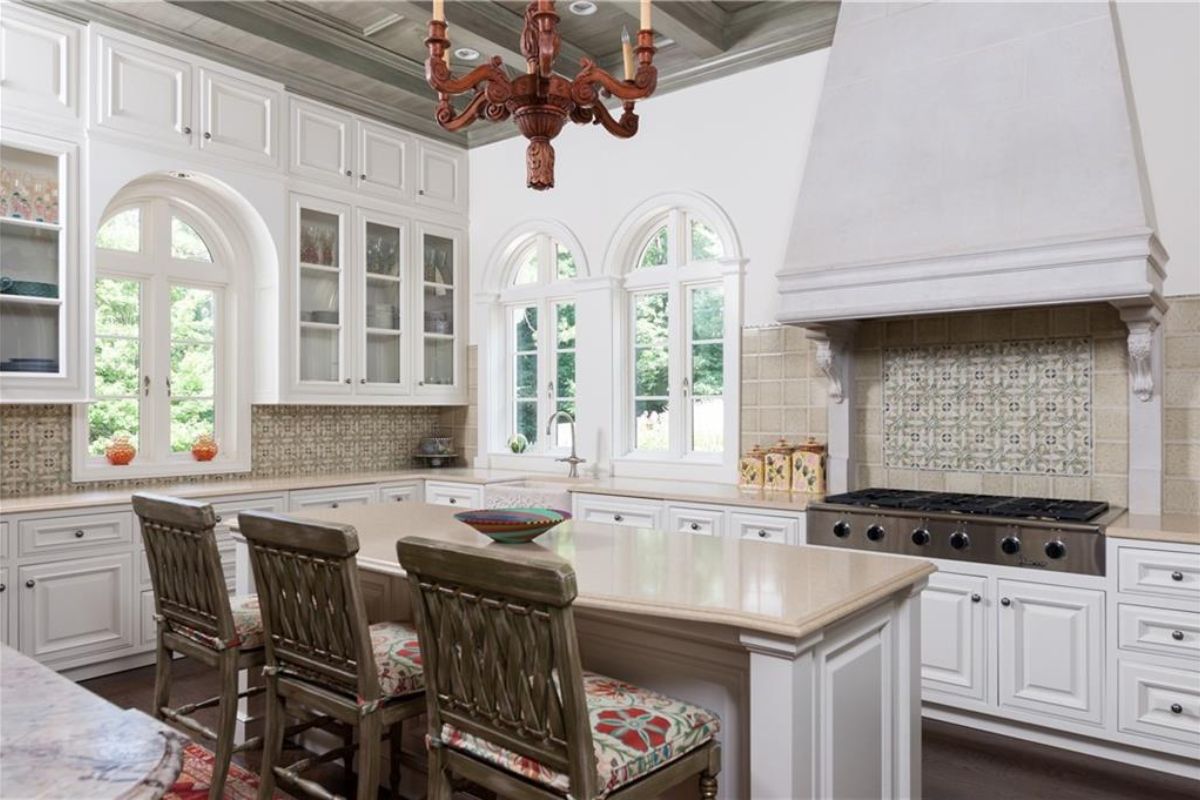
[247, 625]
[397, 658]
[634, 731]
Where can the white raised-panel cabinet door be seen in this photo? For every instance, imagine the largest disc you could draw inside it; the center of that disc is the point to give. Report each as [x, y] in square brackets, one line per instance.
[5, 591]
[442, 182]
[954, 635]
[39, 64]
[385, 158]
[238, 119]
[142, 91]
[1051, 650]
[321, 143]
[80, 607]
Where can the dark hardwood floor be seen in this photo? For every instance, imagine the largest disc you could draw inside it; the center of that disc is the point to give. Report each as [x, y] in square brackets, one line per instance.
[959, 763]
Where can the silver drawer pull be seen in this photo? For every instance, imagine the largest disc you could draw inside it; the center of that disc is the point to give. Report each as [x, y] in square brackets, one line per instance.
[218, 519]
[2, 587]
[453, 501]
[79, 534]
[29, 584]
[976, 598]
[1004, 601]
[333, 505]
[617, 518]
[695, 526]
[763, 533]
[1177, 576]
[1176, 708]
[1177, 635]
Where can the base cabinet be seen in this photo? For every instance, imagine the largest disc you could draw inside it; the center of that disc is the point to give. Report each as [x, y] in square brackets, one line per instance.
[1051, 647]
[4, 593]
[954, 635]
[76, 608]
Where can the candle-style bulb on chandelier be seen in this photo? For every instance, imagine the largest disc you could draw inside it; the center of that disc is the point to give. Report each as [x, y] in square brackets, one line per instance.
[540, 101]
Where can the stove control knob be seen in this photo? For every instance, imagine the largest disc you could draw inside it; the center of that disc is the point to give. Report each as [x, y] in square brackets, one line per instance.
[875, 533]
[1055, 549]
[841, 529]
[920, 536]
[959, 540]
[1011, 545]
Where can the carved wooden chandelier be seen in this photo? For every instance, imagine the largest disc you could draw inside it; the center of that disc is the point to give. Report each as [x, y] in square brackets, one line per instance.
[540, 101]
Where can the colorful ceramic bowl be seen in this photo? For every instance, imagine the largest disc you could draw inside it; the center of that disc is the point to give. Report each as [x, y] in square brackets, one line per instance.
[512, 525]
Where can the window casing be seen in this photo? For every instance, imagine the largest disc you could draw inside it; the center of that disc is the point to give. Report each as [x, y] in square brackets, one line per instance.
[540, 345]
[674, 404]
[164, 335]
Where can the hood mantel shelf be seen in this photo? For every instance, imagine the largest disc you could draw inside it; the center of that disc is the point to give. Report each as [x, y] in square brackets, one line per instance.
[994, 161]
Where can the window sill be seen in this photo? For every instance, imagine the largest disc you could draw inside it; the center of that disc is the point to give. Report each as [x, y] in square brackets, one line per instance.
[92, 470]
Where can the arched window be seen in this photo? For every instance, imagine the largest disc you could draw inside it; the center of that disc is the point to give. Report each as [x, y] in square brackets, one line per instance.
[540, 365]
[163, 371]
[682, 323]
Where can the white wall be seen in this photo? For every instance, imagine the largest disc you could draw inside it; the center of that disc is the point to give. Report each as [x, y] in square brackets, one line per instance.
[1162, 48]
[741, 140]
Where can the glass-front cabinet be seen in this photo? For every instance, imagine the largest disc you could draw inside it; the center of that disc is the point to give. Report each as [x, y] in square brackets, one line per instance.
[377, 306]
[320, 257]
[39, 358]
[440, 299]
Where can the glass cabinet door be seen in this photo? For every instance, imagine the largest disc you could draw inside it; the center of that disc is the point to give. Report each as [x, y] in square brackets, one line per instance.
[383, 255]
[32, 262]
[321, 256]
[439, 253]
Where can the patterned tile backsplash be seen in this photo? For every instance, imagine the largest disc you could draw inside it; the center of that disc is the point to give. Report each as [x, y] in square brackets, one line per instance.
[1006, 407]
[287, 440]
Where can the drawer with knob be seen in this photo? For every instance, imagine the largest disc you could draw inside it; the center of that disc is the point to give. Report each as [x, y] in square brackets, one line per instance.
[1159, 701]
[74, 533]
[764, 527]
[707, 520]
[336, 497]
[1166, 573]
[459, 495]
[1158, 630]
[625, 511]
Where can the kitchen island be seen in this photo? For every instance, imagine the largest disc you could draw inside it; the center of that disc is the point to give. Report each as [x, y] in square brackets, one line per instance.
[809, 655]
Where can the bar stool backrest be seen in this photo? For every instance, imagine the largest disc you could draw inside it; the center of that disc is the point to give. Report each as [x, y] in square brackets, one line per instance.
[313, 611]
[185, 566]
[500, 652]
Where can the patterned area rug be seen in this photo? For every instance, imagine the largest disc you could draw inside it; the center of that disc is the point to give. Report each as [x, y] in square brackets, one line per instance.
[194, 779]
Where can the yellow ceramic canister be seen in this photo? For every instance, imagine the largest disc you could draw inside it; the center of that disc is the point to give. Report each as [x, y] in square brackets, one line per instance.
[808, 468]
[752, 468]
[778, 463]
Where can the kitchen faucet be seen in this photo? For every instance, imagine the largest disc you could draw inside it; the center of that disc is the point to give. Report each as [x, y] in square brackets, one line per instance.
[572, 459]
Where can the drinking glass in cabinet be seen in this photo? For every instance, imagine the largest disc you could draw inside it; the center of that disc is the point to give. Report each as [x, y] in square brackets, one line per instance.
[439, 260]
[28, 186]
[439, 362]
[319, 293]
[439, 310]
[318, 238]
[383, 250]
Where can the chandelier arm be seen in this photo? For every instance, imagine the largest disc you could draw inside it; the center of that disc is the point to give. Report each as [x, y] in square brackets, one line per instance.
[583, 88]
[624, 128]
[448, 119]
[497, 86]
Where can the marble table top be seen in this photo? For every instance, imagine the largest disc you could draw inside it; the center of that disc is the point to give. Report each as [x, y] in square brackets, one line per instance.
[759, 587]
[58, 740]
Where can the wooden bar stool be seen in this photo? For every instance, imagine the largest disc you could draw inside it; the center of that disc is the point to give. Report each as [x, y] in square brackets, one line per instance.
[321, 653]
[196, 617]
[510, 707]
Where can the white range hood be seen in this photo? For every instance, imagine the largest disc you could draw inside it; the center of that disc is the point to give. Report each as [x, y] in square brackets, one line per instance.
[970, 156]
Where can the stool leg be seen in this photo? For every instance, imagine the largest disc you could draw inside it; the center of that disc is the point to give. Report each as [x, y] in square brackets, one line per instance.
[397, 734]
[227, 725]
[439, 781]
[272, 740]
[348, 759]
[162, 674]
[708, 786]
[370, 731]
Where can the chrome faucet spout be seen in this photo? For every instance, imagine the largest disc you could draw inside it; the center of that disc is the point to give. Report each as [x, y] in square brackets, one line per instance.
[572, 459]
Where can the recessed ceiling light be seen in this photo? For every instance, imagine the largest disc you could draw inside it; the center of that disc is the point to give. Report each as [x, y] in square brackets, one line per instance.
[466, 54]
[582, 8]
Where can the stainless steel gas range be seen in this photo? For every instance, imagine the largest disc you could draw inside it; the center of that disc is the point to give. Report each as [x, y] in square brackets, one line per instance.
[1053, 535]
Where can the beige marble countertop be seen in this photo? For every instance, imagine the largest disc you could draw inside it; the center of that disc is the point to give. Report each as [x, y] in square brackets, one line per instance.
[726, 494]
[760, 587]
[60, 740]
[200, 489]
[1176, 528]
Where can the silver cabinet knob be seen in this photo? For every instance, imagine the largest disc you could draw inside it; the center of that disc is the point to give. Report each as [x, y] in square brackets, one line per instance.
[333, 505]
[79, 534]
[187, 129]
[347, 380]
[2, 587]
[1176, 708]
[362, 380]
[1177, 576]
[695, 526]
[29, 584]
[976, 598]
[1177, 635]
[453, 501]
[349, 173]
[207, 135]
[420, 191]
[1004, 601]
[362, 177]
[762, 534]
[617, 518]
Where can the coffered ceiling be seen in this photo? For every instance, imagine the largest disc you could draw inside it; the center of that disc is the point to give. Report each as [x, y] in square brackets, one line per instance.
[368, 55]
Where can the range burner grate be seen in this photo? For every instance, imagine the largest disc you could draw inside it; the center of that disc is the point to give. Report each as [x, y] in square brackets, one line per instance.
[976, 504]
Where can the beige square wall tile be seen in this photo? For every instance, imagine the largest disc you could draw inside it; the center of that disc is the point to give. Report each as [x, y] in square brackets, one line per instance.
[995, 326]
[794, 340]
[1183, 316]
[994, 483]
[931, 330]
[1111, 459]
[1181, 496]
[1110, 389]
[770, 393]
[1031, 323]
[795, 365]
[1182, 389]
[1113, 490]
[1182, 352]
[964, 328]
[1181, 424]
[971, 482]
[1031, 485]
[1111, 355]
[1070, 488]
[1111, 424]
[1069, 321]
[770, 366]
[795, 423]
[770, 340]
[1182, 460]
[898, 332]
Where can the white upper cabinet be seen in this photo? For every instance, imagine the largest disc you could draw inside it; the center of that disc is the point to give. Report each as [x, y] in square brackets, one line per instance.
[442, 178]
[238, 118]
[321, 142]
[39, 65]
[384, 162]
[142, 91]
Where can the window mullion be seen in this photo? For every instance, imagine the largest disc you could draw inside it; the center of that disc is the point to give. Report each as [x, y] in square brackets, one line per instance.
[160, 347]
[676, 359]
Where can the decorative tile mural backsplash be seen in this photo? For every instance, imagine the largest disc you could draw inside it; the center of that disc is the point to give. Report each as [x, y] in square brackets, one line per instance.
[1010, 407]
[287, 441]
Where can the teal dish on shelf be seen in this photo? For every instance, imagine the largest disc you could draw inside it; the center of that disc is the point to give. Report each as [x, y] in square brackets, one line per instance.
[513, 525]
[28, 288]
